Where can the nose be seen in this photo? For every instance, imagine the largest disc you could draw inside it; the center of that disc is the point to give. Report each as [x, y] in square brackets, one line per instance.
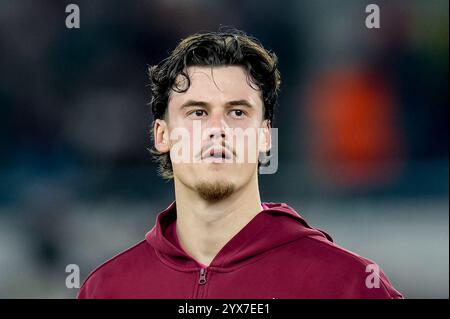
[214, 133]
[216, 128]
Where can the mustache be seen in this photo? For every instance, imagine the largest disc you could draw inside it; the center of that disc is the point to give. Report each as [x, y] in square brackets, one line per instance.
[224, 144]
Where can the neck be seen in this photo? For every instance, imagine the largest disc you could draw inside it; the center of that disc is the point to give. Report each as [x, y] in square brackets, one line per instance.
[203, 228]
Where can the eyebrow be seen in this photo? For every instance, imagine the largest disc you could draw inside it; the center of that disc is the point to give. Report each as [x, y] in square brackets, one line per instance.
[242, 102]
[193, 103]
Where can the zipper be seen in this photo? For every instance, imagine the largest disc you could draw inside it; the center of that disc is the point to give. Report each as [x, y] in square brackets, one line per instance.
[200, 286]
[202, 278]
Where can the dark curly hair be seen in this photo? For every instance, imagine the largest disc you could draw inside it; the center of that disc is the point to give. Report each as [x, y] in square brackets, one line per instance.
[212, 49]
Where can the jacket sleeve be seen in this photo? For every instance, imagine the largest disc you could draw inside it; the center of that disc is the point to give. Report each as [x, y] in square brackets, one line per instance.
[91, 288]
[377, 285]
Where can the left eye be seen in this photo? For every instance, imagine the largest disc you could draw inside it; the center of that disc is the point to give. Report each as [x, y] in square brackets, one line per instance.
[237, 113]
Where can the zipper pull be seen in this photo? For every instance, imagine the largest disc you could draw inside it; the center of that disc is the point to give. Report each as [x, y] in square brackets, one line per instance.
[202, 279]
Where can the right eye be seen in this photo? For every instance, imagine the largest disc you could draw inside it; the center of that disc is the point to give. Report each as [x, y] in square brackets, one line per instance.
[197, 114]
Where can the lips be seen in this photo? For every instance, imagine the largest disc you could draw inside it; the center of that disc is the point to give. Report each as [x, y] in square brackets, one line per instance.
[217, 152]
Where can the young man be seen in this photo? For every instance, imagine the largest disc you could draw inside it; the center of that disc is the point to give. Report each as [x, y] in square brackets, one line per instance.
[217, 239]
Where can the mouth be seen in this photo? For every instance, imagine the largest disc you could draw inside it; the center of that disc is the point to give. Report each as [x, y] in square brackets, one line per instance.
[217, 155]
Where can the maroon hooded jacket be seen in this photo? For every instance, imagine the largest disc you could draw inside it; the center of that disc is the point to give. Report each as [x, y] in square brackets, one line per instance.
[276, 255]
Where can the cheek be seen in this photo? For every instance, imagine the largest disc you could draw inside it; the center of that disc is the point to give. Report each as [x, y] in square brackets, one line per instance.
[246, 146]
[185, 143]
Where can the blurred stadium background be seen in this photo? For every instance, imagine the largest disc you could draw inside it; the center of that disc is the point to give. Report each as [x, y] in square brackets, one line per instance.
[363, 130]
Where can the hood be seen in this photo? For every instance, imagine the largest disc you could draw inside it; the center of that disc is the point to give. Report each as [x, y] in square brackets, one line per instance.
[277, 224]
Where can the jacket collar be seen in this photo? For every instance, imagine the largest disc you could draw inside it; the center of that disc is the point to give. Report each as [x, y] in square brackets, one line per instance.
[275, 225]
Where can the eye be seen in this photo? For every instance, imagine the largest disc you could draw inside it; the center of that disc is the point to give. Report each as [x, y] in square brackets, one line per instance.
[197, 113]
[237, 113]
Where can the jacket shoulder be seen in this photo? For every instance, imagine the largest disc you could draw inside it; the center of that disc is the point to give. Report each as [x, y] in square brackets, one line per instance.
[354, 276]
[109, 269]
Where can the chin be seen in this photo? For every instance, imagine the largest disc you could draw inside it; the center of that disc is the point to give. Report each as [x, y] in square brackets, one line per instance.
[222, 179]
[215, 190]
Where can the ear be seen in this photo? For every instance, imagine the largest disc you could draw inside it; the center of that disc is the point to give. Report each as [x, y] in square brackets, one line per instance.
[161, 136]
[265, 136]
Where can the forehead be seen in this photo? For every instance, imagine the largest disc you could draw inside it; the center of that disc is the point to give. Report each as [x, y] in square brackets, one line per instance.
[216, 85]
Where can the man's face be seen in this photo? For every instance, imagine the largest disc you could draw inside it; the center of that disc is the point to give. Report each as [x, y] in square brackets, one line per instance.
[221, 120]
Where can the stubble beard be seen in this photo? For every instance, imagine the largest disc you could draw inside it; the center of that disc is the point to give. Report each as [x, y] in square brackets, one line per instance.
[215, 191]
